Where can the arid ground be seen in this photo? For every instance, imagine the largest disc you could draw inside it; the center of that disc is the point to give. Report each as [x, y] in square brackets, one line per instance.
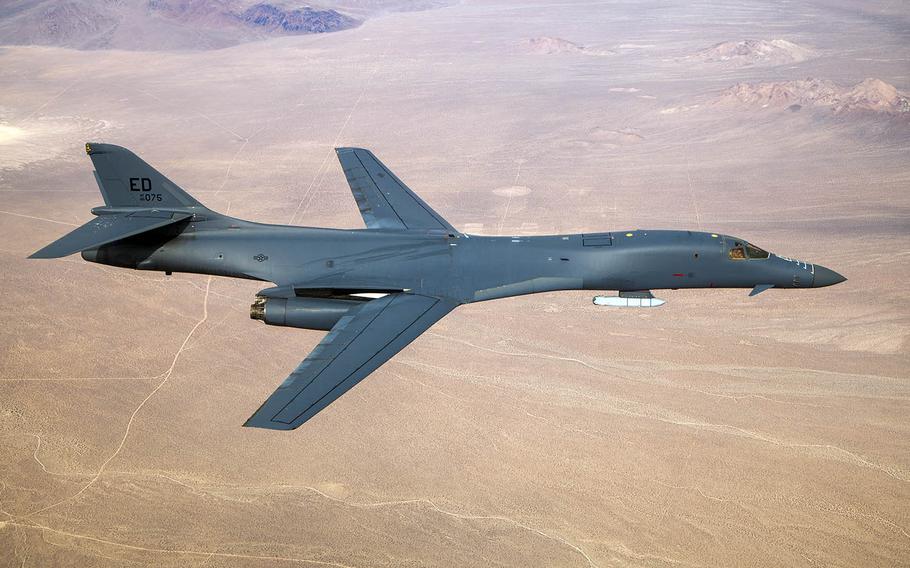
[718, 430]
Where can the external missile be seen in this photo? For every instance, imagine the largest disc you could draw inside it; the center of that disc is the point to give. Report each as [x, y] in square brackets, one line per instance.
[630, 299]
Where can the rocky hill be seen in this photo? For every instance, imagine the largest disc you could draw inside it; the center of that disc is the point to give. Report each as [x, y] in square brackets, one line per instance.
[160, 24]
[546, 45]
[872, 95]
[749, 52]
[303, 20]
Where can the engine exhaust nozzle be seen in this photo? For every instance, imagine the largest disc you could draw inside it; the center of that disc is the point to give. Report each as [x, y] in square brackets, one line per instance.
[257, 309]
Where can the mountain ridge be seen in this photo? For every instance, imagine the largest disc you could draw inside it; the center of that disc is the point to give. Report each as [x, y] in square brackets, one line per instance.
[162, 24]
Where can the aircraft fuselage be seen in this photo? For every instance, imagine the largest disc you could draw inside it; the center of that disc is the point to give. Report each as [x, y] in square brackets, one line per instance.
[467, 268]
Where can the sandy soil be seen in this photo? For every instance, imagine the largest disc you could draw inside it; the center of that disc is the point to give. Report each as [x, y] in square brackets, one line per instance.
[717, 430]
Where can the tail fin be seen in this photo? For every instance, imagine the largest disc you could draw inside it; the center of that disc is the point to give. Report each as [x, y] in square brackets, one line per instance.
[138, 200]
[126, 180]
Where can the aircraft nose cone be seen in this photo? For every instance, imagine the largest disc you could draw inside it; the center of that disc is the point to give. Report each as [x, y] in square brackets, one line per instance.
[826, 277]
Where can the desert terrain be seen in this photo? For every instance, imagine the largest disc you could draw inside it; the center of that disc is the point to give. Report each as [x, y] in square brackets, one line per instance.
[718, 430]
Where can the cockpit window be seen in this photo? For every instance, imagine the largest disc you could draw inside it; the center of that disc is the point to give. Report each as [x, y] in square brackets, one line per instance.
[754, 252]
[742, 251]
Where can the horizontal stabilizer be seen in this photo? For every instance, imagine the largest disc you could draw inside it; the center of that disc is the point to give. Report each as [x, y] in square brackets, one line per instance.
[106, 229]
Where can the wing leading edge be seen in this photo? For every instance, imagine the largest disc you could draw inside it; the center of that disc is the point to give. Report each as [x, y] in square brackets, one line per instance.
[385, 202]
[355, 347]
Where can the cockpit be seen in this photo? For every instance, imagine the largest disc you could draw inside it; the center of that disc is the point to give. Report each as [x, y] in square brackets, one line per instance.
[742, 250]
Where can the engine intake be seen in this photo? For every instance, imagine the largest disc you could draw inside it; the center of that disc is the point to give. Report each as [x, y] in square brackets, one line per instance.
[305, 313]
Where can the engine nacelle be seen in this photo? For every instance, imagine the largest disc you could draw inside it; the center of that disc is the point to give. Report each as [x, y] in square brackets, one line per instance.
[305, 313]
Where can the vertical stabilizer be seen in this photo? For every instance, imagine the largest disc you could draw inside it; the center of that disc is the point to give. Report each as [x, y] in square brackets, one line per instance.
[126, 180]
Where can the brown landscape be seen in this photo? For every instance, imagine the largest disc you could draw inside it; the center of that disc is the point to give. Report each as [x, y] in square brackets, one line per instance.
[718, 430]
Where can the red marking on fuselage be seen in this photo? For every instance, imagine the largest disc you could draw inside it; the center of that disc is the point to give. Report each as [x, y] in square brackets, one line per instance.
[679, 274]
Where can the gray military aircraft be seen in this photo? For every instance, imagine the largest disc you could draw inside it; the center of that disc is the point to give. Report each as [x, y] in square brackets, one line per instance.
[377, 289]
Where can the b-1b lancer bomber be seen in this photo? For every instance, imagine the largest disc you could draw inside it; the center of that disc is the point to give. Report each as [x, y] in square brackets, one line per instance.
[377, 289]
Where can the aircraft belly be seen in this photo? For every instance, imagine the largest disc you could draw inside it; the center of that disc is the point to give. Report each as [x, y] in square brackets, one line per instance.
[531, 286]
[420, 269]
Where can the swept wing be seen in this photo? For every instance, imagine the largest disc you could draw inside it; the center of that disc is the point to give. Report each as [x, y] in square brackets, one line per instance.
[385, 202]
[355, 347]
